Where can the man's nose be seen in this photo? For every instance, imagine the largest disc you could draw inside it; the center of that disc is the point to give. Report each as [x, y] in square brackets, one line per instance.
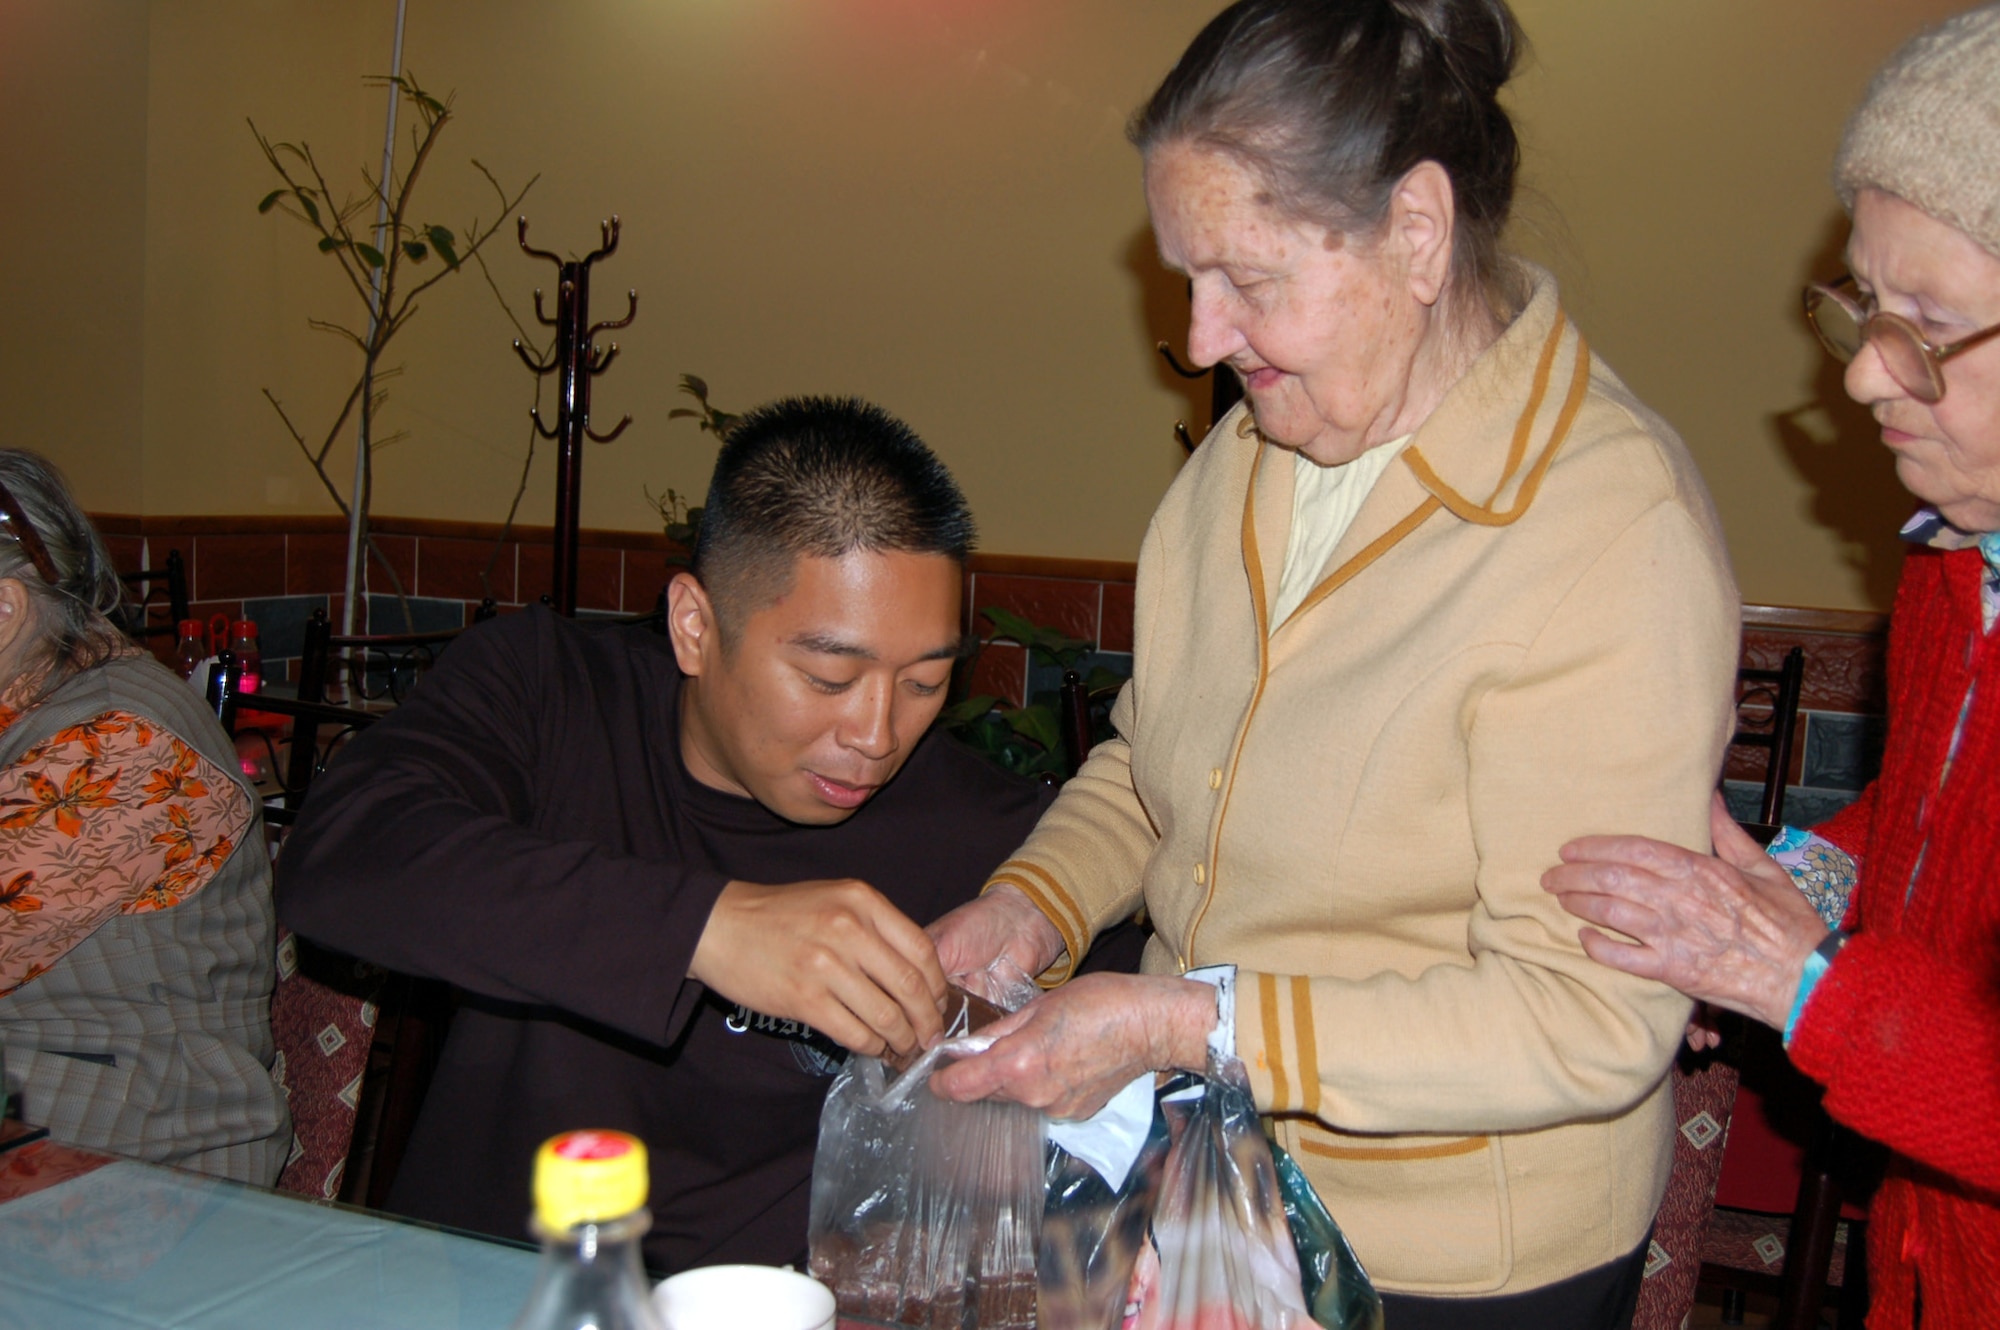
[870, 728]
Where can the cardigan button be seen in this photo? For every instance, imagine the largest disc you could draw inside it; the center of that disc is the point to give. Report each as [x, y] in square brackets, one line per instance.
[1215, 779]
[1200, 874]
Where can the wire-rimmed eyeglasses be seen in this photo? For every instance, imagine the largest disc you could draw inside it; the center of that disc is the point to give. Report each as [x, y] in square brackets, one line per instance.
[1845, 322]
[16, 523]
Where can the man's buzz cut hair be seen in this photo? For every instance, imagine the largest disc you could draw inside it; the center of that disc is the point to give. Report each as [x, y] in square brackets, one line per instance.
[820, 477]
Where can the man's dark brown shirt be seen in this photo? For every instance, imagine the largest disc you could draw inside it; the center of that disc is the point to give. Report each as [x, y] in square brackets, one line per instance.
[524, 829]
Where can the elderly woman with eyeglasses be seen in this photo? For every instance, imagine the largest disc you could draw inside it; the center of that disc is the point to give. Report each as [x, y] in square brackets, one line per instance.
[1883, 968]
[136, 926]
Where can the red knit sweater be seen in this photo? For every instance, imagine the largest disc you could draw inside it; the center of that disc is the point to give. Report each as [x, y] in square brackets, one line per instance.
[1904, 1030]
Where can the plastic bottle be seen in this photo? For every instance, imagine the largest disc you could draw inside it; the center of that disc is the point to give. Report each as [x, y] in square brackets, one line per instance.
[191, 648]
[590, 1212]
[243, 642]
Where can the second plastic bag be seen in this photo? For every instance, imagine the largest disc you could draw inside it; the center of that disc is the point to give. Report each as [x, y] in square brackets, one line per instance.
[1219, 1253]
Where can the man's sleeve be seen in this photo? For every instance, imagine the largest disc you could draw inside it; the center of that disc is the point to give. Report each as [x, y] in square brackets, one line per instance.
[417, 850]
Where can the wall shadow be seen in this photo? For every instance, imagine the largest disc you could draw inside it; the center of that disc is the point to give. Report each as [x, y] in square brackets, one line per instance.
[1836, 447]
[1162, 309]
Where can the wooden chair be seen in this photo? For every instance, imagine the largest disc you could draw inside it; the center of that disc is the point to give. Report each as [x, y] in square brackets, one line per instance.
[358, 1043]
[150, 585]
[1812, 1162]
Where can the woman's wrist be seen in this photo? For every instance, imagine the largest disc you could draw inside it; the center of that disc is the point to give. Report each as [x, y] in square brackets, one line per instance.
[1181, 1039]
[1033, 929]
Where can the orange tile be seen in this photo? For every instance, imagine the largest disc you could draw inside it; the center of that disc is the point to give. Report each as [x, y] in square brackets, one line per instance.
[1117, 617]
[234, 567]
[1062, 603]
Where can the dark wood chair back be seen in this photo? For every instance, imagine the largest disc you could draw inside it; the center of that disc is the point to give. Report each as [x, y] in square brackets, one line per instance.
[163, 588]
[1778, 690]
[376, 666]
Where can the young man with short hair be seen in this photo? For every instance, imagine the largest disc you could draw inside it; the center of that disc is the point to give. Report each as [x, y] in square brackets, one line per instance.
[675, 877]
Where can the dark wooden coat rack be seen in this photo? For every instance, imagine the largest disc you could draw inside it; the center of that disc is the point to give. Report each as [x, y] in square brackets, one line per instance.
[576, 360]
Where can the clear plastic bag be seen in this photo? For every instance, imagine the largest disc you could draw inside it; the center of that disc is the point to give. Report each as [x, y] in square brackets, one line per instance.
[928, 1213]
[1219, 1252]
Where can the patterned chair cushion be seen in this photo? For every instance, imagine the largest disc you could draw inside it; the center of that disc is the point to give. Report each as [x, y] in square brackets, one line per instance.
[1703, 1098]
[323, 1022]
[1748, 1240]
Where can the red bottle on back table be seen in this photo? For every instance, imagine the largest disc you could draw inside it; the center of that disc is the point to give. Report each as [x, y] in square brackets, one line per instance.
[243, 643]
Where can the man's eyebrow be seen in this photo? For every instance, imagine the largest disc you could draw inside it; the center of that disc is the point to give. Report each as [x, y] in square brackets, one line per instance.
[826, 644]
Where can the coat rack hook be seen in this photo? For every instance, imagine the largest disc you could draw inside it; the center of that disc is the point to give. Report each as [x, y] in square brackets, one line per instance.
[1174, 362]
[521, 234]
[616, 430]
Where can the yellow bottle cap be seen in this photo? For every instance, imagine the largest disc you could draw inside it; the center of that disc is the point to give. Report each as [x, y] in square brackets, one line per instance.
[588, 1177]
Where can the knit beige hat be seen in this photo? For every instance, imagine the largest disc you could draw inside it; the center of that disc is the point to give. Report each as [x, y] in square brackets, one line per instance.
[1929, 129]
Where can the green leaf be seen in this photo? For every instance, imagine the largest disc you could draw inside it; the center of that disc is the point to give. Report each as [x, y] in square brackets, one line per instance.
[971, 709]
[683, 413]
[328, 244]
[369, 254]
[305, 201]
[694, 387]
[445, 243]
[416, 250]
[1102, 680]
[270, 200]
[1009, 626]
[1036, 723]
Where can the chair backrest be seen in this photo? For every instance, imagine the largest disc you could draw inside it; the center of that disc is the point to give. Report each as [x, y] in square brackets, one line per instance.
[359, 1043]
[1704, 1099]
[169, 582]
[317, 728]
[377, 666]
[1779, 691]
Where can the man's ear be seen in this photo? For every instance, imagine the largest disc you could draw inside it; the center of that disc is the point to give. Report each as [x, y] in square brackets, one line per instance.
[1423, 218]
[692, 626]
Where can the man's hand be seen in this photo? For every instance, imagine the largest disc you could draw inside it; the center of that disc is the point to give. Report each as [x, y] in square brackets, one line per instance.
[1003, 922]
[1728, 929]
[1070, 1050]
[836, 955]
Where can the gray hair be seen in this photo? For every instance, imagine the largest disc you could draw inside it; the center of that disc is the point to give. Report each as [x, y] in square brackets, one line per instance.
[74, 627]
[1331, 102]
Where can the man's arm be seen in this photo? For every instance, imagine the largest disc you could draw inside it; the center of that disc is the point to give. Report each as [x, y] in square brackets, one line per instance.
[419, 850]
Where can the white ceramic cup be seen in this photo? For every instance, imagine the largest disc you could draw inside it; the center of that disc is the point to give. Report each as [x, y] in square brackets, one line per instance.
[743, 1297]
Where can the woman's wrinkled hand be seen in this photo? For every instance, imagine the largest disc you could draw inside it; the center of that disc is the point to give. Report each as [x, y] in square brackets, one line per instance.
[1001, 923]
[1729, 929]
[1070, 1050]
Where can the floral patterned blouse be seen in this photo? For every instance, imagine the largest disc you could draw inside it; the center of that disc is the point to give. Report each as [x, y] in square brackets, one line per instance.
[112, 816]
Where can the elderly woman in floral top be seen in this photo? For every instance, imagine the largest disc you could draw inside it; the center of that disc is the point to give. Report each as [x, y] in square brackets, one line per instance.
[136, 927]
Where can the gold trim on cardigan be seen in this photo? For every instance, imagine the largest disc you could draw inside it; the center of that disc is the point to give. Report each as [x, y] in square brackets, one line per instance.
[1397, 1153]
[1441, 495]
[1015, 873]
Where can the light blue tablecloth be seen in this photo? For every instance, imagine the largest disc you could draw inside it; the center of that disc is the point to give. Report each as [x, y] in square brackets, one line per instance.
[131, 1246]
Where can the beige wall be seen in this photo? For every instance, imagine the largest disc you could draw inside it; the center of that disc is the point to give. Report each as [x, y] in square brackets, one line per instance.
[72, 233]
[926, 202]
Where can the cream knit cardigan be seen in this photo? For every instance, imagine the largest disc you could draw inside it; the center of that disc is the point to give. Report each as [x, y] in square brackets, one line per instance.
[1528, 634]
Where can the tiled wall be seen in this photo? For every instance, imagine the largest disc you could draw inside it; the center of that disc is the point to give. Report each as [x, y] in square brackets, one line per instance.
[278, 576]
[253, 568]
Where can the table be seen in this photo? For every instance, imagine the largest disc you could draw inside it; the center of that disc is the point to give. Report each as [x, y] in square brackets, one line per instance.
[97, 1243]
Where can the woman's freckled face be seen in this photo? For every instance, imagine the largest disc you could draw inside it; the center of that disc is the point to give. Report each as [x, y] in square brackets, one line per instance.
[1321, 328]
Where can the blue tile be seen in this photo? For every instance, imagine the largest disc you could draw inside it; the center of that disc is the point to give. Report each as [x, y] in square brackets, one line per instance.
[427, 615]
[1805, 806]
[1843, 752]
[281, 623]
